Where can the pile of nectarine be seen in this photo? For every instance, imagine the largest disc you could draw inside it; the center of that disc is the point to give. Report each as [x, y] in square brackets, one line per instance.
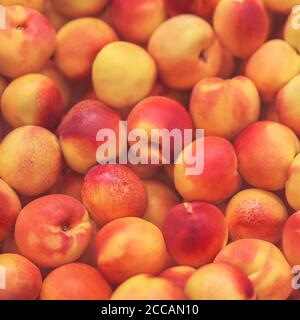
[77, 222]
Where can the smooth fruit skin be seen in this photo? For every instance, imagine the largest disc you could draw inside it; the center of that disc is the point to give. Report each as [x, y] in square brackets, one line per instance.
[220, 178]
[161, 199]
[224, 107]
[272, 54]
[264, 265]
[280, 6]
[195, 233]
[256, 214]
[290, 33]
[75, 281]
[79, 8]
[22, 164]
[38, 5]
[179, 275]
[247, 25]
[202, 8]
[287, 105]
[265, 150]
[218, 281]
[186, 51]
[147, 287]
[130, 246]
[78, 131]
[23, 278]
[123, 74]
[292, 187]
[61, 82]
[136, 20]
[161, 113]
[60, 233]
[77, 45]
[9, 210]
[291, 239]
[33, 99]
[113, 191]
[27, 42]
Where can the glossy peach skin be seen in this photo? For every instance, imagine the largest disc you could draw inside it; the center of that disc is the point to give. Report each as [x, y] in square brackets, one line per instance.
[79, 8]
[118, 70]
[147, 287]
[265, 150]
[195, 233]
[61, 82]
[27, 42]
[224, 107]
[23, 278]
[60, 233]
[160, 113]
[292, 190]
[75, 281]
[126, 247]
[78, 131]
[22, 164]
[33, 99]
[69, 184]
[219, 281]
[220, 178]
[291, 239]
[263, 263]
[287, 105]
[113, 191]
[78, 43]
[186, 51]
[273, 54]
[179, 275]
[136, 20]
[38, 5]
[161, 199]
[256, 214]
[280, 6]
[202, 8]
[247, 25]
[9, 209]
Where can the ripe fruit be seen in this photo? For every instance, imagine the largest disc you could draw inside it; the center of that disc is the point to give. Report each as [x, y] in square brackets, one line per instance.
[9, 210]
[130, 246]
[33, 99]
[264, 265]
[265, 150]
[75, 281]
[256, 214]
[195, 233]
[146, 287]
[224, 107]
[218, 281]
[22, 164]
[78, 43]
[136, 20]
[113, 191]
[247, 25]
[26, 44]
[123, 74]
[23, 278]
[60, 233]
[186, 51]
[220, 178]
